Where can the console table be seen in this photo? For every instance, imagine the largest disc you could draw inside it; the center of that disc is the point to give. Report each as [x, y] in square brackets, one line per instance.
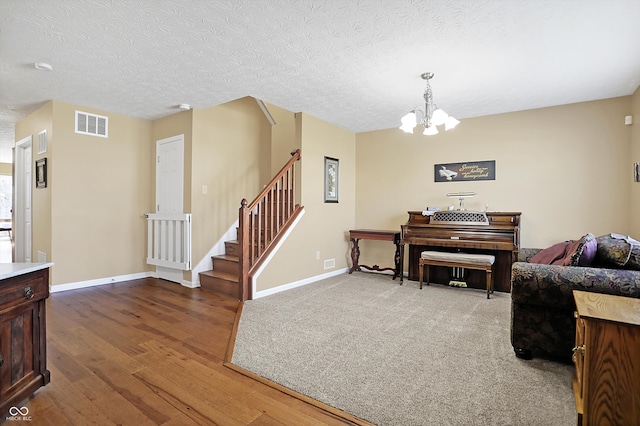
[374, 234]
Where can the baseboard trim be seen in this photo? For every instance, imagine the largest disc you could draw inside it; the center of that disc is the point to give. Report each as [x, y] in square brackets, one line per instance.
[299, 283]
[101, 281]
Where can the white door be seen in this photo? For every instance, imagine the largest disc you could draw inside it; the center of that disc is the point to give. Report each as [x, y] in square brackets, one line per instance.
[22, 203]
[170, 188]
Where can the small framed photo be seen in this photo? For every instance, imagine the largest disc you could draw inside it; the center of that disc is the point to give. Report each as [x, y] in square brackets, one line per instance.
[331, 179]
[636, 172]
[41, 173]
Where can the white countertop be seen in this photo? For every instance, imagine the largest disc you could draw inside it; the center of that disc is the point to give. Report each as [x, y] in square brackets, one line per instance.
[9, 270]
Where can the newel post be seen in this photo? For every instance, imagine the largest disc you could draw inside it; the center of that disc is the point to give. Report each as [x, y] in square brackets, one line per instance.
[243, 240]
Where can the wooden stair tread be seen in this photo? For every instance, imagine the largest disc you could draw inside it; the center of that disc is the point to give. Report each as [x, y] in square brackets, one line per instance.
[229, 257]
[221, 275]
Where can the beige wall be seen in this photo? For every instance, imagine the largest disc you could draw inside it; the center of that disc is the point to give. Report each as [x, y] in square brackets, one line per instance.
[635, 158]
[41, 119]
[565, 168]
[283, 137]
[89, 220]
[6, 169]
[231, 156]
[101, 191]
[324, 226]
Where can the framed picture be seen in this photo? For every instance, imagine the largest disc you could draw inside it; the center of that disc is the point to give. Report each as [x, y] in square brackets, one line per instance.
[636, 172]
[469, 171]
[41, 173]
[331, 182]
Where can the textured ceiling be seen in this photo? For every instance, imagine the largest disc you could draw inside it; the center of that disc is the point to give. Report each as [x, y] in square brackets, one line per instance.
[354, 63]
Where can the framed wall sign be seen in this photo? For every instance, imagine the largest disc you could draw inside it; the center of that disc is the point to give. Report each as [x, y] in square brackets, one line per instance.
[41, 173]
[331, 179]
[469, 171]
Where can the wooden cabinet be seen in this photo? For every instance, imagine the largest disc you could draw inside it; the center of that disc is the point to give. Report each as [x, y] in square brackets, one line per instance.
[606, 384]
[23, 366]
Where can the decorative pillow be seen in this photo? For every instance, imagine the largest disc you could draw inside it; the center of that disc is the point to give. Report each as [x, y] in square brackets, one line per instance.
[634, 258]
[567, 253]
[589, 250]
[613, 250]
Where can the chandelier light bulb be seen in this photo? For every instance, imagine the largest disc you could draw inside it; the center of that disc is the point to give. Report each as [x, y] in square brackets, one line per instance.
[439, 117]
[409, 122]
[430, 131]
[450, 123]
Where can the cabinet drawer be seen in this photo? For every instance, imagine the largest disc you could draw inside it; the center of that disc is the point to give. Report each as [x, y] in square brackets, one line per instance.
[24, 289]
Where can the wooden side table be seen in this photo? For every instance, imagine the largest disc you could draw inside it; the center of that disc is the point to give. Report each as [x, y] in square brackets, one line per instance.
[374, 234]
[607, 380]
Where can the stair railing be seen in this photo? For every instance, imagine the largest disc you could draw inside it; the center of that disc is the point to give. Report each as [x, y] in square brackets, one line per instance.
[263, 221]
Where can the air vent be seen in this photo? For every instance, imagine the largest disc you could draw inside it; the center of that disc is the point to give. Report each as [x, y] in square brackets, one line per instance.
[42, 142]
[92, 124]
[329, 264]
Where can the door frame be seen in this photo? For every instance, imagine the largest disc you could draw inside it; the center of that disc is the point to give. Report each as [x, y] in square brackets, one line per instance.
[170, 274]
[23, 243]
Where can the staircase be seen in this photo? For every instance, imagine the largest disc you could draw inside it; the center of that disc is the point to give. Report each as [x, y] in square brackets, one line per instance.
[225, 275]
[262, 224]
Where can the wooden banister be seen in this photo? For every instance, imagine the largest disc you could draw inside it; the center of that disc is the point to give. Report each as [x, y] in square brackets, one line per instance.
[263, 221]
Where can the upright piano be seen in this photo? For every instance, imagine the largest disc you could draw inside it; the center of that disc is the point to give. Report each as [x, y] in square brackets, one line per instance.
[496, 233]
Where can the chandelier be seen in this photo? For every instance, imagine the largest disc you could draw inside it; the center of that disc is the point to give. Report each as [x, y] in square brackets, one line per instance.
[429, 116]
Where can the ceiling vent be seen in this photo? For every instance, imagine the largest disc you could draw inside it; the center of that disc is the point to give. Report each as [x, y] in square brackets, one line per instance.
[92, 124]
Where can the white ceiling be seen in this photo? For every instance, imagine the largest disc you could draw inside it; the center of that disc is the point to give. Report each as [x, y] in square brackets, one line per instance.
[354, 63]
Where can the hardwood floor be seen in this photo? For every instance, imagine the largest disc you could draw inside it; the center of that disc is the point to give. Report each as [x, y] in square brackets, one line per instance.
[150, 352]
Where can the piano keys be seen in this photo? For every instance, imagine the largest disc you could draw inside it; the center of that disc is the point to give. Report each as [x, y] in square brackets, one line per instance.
[499, 237]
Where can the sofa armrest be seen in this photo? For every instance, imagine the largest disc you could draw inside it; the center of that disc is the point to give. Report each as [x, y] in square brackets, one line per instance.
[552, 286]
[525, 254]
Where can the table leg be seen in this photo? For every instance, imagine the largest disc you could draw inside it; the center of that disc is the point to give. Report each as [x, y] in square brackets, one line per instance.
[396, 259]
[355, 255]
[401, 263]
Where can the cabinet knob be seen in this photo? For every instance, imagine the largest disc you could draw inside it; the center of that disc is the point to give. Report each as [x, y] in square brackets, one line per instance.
[28, 293]
[576, 350]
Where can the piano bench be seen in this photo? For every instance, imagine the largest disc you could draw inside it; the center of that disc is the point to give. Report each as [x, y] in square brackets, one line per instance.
[483, 262]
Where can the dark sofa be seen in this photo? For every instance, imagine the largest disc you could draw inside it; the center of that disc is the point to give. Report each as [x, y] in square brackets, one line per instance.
[542, 304]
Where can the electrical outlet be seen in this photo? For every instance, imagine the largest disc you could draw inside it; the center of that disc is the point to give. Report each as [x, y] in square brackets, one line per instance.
[318, 255]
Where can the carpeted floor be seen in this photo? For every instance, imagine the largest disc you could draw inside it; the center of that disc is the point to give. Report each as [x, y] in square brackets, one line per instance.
[397, 355]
